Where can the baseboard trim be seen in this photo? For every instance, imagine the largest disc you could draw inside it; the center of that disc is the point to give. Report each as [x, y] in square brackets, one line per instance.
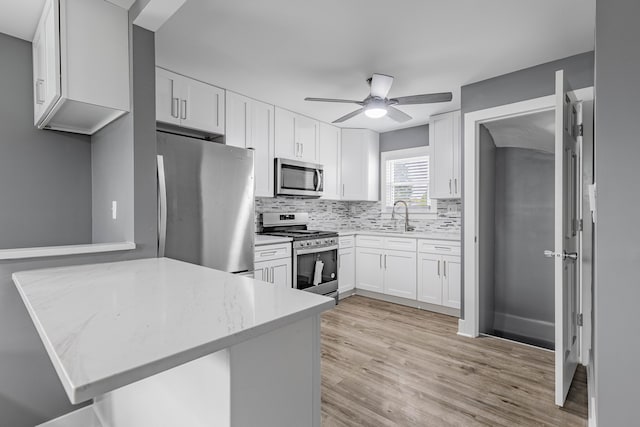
[523, 326]
[346, 294]
[409, 302]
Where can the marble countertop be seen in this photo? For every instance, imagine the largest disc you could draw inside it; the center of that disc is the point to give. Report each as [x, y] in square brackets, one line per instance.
[411, 234]
[263, 239]
[109, 325]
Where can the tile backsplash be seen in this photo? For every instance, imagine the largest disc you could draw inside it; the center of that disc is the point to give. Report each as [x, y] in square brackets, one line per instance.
[337, 214]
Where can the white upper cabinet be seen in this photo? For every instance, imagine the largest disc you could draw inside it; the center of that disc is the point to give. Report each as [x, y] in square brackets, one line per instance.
[296, 136]
[189, 103]
[80, 65]
[330, 139]
[360, 165]
[444, 139]
[250, 124]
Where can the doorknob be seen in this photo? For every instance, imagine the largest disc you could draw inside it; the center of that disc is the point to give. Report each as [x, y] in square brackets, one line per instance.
[564, 255]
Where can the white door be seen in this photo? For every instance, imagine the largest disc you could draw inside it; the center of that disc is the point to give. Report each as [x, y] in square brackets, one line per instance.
[400, 274]
[430, 278]
[329, 144]
[286, 145]
[566, 238]
[451, 281]
[237, 120]
[202, 106]
[261, 141]
[280, 272]
[261, 271]
[353, 155]
[441, 139]
[346, 269]
[306, 135]
[369, 273]
[167, 97]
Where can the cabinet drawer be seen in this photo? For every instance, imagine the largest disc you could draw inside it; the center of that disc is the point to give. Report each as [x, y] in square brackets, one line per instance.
[269, 252]
[444, 247]
[400, 244]
[346, 242]
[376, 242]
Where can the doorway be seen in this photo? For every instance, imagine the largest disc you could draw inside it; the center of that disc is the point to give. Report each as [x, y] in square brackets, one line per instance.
[571, 252]
[516, 208]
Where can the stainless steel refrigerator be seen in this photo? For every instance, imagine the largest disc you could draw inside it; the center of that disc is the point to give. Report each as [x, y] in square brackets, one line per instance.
[206, 203]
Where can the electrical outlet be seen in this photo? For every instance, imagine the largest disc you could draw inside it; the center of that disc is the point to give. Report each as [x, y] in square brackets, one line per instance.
[114, 210]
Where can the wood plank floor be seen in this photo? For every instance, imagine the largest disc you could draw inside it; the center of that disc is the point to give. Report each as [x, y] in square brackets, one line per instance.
[388, 365]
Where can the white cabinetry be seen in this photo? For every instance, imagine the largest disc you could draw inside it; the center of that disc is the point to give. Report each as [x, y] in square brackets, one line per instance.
[80, 65]
[444, 139]
[296, 136]
[189, 103]
[369, 272]
[379, 268]
[250, 124]
[329, 142]
[439, 273]
[360, 165]
[346, 264]
[273, 264]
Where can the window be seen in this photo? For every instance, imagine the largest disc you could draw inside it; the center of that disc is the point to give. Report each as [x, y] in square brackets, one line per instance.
[405, 176]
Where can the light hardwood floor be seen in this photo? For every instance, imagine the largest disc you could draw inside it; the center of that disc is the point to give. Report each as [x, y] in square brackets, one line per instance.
[388, 365]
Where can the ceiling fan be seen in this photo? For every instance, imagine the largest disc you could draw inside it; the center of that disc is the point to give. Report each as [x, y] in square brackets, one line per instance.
[377, 104]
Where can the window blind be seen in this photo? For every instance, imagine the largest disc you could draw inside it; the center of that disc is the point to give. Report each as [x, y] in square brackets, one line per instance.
[408, 179]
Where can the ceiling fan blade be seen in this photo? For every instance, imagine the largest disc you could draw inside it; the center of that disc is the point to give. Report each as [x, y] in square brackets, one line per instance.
[428, 98]
[344, 101]
[380, 85]
[348, 116]
[397, 115]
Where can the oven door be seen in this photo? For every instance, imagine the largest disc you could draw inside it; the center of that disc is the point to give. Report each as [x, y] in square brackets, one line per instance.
[294, 178]
[316, 269]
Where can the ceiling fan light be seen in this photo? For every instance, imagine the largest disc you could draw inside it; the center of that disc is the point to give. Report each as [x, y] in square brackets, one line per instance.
[375, 112]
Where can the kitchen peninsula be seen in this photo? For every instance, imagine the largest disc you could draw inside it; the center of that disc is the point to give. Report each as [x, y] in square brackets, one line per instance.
[158, 342]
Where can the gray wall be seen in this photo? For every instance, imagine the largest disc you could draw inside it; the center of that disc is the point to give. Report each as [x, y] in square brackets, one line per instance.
[617, 151]
[486, 208]
[45, 176]
[526, 84]
[524, 228]
[417, 136]
[30, 392]
[112, 175]
[521, 85]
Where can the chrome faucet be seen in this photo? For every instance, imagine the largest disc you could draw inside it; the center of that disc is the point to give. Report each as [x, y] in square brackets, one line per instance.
[407, 227]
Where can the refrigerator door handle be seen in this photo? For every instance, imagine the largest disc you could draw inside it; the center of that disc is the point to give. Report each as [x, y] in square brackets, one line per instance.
[162, 207]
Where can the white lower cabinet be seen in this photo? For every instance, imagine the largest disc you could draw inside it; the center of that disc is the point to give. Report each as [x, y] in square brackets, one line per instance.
[346, 269]
[369, 272]
[439, 271]
[273, 264]
[400, 274]
[421, 270]
[452, 282]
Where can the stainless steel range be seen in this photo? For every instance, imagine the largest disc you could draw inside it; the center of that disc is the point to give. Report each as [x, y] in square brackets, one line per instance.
[315, 253]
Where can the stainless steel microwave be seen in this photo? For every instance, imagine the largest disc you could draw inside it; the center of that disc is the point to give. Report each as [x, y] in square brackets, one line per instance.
[295, 178]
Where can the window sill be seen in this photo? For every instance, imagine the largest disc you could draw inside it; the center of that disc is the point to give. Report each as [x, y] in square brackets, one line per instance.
[50, 251]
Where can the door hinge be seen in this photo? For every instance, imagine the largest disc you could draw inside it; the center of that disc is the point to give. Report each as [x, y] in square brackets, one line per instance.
[580, 320]
[578, 130]
[581, 225]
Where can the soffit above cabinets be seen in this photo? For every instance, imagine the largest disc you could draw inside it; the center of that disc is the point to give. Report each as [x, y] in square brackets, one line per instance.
[281, 51]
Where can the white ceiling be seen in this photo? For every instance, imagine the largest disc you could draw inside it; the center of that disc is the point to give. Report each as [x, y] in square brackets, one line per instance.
[533, 131]
[281, 51]
[19, 18]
